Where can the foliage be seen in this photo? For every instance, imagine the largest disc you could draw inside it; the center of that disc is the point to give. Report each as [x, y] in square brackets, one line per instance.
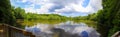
[88, 17]
[19, 13]
[33, 16]
[109, 17]
[6, 16]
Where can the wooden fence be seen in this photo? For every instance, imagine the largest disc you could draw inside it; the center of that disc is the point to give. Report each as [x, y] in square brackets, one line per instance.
[117, 34]
[10, 31]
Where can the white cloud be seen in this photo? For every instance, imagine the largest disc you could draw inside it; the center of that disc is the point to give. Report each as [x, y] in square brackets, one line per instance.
[68, 6]
[43, 10]
[96, 4]
[24, 1]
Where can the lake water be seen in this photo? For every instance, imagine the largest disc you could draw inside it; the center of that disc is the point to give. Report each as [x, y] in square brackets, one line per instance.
[60, 28]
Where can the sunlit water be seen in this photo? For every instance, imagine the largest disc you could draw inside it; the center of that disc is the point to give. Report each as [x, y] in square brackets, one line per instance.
[64, 29]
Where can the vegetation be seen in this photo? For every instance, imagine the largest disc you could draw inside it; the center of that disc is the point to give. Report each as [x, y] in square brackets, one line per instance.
[19, 13]
[108, 19]
[6, 16]
[88, 17]
[33, 16]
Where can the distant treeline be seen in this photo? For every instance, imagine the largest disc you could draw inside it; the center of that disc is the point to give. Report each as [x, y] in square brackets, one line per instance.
[92, 17]
[32, 16]
[108, 18]
[20, 13]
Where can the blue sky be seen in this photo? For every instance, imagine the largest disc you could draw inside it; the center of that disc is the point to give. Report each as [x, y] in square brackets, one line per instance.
[61, 7]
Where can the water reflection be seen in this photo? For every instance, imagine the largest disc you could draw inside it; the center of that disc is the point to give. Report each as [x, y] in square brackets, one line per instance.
[40, 30]
[67, 29]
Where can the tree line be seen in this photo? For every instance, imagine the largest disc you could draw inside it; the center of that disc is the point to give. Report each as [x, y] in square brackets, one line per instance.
[92, 17]
[20, 13]
[108, 18]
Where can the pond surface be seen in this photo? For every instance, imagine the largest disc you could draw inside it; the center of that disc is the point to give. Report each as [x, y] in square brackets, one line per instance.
[58, 28]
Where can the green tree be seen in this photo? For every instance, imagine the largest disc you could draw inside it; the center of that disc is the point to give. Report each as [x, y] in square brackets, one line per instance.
[6, 16]
[19, 13]
[109, 17]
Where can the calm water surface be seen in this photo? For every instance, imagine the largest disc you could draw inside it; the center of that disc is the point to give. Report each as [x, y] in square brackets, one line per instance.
[58, 28]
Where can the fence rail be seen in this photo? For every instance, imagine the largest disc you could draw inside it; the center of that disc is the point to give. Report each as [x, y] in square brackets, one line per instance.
[10, 31]
[117, 34]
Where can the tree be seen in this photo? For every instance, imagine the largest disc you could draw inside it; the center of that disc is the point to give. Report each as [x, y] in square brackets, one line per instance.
[19, 13]
[6, 16]
[109, 17]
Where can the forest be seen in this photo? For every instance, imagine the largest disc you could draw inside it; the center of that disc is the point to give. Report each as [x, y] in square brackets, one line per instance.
[108, 19]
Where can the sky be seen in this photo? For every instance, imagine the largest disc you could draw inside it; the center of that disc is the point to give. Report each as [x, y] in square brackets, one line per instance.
[62, 7]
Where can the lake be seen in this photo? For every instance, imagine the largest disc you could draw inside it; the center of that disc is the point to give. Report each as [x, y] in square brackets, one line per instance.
[61, 28]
